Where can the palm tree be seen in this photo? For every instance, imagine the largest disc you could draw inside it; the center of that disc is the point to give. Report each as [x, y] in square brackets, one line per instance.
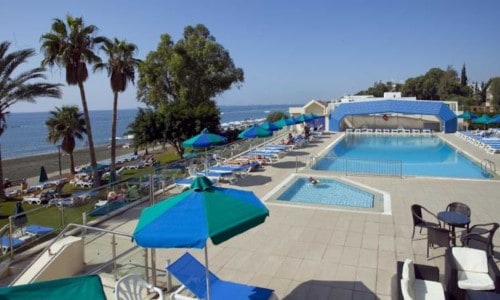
[70, 45]
[121, 67]
[15, 88]
[66, 124]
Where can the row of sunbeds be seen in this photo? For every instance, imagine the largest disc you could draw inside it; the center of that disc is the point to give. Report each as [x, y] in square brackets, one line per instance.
[489, 140]
[425, 131]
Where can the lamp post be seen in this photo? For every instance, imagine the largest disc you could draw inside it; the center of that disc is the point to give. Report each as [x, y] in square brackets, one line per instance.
[59, 154]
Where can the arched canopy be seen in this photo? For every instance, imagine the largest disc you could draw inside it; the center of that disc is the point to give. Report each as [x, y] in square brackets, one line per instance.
[410, 107]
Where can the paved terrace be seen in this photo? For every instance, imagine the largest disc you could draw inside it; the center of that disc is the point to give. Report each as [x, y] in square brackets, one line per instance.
[320, 253]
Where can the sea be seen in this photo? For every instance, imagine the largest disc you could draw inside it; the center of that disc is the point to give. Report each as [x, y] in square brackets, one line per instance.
[26, 133]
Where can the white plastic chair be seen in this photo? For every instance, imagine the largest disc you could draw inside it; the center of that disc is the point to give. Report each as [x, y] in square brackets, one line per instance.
[134, 287]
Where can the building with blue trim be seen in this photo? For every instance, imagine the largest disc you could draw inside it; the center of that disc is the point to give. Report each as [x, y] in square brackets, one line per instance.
[394, 113]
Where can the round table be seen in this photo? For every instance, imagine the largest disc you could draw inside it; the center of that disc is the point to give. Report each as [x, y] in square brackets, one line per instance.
[453, 219]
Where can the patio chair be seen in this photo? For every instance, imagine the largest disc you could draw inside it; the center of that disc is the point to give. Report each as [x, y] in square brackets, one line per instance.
[191, 273]
[134, 287]
[460, 208]
[419, 221]
[470, 269]
[417, 281]
[437, 237]
[480, 236]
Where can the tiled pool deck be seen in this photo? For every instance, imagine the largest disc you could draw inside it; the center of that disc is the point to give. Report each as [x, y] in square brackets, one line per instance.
[315, 253]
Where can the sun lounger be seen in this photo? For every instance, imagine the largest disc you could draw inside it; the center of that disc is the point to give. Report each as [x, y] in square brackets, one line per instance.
[185, 183]
[5, 243]
[349, 130]
[415, 131]
[106, 207]
[192, 275]
[219, 176]
[37, 230]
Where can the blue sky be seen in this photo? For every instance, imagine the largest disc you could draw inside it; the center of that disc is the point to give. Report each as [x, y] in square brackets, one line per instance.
[291, 51]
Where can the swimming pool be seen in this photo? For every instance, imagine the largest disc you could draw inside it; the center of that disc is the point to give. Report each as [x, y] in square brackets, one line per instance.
[327, 191]
[416, 155]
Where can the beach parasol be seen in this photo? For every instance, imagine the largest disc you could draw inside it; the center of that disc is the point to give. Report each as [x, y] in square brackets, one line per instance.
[484, 119]
[467, 115]
[20, 218]
[43, 175]
[269, 126]
[284, 122]
[204, 140]
[203, 212]
[254, 132]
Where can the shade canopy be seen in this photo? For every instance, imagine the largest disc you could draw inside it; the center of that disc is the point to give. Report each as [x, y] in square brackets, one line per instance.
[204, 140]
[254, 132]
[203, 212]
[484, 119]
[284, 122]
[74, 288]
[269, 126]
[467, 115]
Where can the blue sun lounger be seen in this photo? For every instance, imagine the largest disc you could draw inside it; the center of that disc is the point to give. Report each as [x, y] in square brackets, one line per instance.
[191, 273]
[5, 243]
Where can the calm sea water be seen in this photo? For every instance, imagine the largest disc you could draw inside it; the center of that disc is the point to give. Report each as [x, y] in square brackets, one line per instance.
[26, 133]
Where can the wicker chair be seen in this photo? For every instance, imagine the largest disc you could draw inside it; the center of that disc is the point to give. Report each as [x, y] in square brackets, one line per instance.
[437, 237]
[419, 221]
[460, 208]
[480, 236]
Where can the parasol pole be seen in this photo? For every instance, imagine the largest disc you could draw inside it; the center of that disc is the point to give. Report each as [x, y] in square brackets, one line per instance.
[207, 272]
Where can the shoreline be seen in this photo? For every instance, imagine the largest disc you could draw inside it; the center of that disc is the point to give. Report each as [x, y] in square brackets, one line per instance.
[29, 166]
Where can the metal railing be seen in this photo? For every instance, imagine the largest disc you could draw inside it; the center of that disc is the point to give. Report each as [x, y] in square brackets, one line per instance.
[359, 167]
[488, 166]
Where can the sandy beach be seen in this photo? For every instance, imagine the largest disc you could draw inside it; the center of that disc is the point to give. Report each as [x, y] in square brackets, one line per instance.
[29, 167]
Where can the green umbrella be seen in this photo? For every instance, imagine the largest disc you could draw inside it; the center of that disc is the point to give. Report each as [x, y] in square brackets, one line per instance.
[203, 212]
[254, 132]
[467, 115]
[43, 175]
[284, 122]
[484, 119]
[204, 140]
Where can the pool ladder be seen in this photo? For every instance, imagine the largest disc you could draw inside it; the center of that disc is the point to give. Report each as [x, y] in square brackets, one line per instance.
[488, 166]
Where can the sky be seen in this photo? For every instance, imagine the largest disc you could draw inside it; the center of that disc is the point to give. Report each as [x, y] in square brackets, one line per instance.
[290, 51]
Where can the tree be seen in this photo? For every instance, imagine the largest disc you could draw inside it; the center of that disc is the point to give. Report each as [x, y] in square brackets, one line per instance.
[70, 46]
[180, 80]
[121, 67]
[276, 116]
[494, 89]
[463, 77]
[146, 128]
[66, 124]
[19, 87]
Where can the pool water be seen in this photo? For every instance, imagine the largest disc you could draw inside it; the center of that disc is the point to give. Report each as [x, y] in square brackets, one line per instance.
[419, 155]
[327, 191]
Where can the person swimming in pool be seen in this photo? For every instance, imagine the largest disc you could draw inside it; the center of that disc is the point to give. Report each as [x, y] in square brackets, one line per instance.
[313, 181]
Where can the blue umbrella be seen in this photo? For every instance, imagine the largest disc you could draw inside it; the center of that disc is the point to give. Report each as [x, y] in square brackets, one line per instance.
[284, 122]
[467, 115]
[269, 126]
[203, 212]
[484, 119]
[254, 132]
[204, 140]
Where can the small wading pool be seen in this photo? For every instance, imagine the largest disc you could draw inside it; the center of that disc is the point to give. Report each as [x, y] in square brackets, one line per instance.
[330, 192]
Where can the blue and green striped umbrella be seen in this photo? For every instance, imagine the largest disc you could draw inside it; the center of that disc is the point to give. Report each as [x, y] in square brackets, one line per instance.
[269, 126]
[284, 122]
[204, 140]
[254, 132]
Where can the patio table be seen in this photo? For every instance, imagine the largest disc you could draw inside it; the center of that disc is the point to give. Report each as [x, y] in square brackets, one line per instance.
[453, 219]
